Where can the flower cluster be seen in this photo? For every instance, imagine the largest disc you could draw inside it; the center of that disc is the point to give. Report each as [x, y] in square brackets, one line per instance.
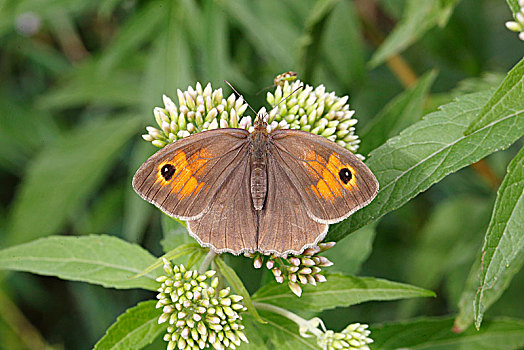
[199, 314]
[295, 106]
[518, 25]
[198, 110]
[299, 269]
[353, 337]
[314, 110]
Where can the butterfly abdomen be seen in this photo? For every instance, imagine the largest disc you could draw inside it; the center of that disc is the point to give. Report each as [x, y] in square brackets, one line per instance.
[258, 182]
[259, 147]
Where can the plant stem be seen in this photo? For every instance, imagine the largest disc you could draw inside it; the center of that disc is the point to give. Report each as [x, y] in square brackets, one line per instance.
[207, 261]
[484, 170]
[64, 28]
[302, 323]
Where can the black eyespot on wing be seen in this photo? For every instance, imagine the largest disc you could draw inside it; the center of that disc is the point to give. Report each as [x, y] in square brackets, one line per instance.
[167, 171]
[345, 175]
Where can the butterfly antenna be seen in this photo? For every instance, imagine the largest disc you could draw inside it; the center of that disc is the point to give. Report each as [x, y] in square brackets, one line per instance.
[242, 97]
[264, 89]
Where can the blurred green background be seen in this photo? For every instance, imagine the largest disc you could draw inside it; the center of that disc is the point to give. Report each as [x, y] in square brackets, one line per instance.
[79, 80]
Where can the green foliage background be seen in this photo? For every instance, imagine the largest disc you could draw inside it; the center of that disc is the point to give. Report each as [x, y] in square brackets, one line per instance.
[76, 93]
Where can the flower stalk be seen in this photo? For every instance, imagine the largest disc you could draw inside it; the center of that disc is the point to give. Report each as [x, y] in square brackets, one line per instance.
[207, 261]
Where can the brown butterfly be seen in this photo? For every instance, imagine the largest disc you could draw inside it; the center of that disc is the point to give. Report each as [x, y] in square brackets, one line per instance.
[269, 192]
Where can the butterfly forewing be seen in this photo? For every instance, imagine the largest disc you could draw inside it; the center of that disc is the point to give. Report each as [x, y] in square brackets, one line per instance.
[332, 182]
[183, 177]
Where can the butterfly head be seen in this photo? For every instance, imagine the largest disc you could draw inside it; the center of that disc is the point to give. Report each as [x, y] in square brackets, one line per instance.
[261, 121]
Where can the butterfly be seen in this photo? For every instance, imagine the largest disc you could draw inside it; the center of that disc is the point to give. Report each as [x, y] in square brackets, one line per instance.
[269, 192]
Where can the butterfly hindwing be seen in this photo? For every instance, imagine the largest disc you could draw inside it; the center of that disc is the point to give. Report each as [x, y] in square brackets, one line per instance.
[284, 224]
[229, 224]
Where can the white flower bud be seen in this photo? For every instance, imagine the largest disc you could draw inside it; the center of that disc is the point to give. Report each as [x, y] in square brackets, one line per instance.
[213, 125]
[520, 18]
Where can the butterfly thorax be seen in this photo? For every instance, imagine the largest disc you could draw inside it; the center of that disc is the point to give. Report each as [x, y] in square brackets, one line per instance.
[258, 159]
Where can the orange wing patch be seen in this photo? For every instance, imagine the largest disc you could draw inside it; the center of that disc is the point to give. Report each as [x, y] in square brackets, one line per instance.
[332, 176]
[315, 191]
[324, 190]
[183, 180]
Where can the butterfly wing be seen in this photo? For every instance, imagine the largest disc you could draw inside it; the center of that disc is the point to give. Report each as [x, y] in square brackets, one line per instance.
[229, 224]
[182, 178]
[284, 224]
[331, 181]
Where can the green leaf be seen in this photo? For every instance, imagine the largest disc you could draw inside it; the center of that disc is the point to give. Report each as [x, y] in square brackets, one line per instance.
[281, 333]
[442, 239]
[487, 81]
[401, 112]
[503, 251]
[134, 329]
[359, 244]
[235, 282]
[445, 242]
[175, 233]
[465, 316]
[184, 249]
[429, 150]
[64, 175]
[21, 134]
[344, 50]
[102, 212]
[436, 334]
[215, 46]
[508, 97]
[310, 40]
[97, 259]
[266, 27]
[107, 8]
[169, 63]
[137, 30]
[339, 290]
[195, 257]
[87, 84]
[254, 334]
[419, 16]
[45, 57]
